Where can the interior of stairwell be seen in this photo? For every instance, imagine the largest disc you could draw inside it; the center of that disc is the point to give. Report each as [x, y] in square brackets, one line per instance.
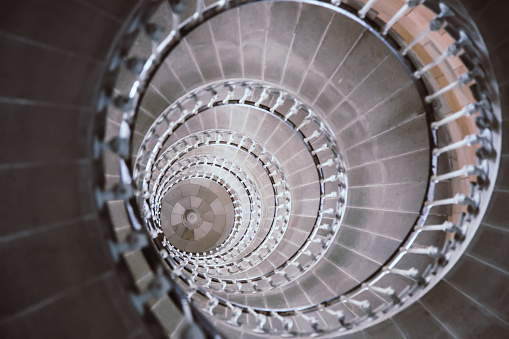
[269, 169]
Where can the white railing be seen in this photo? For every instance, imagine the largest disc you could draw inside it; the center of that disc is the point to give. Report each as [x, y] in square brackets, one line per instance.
[372, 301]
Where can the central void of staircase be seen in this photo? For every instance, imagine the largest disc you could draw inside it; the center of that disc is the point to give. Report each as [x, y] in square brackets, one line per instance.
[294, 162]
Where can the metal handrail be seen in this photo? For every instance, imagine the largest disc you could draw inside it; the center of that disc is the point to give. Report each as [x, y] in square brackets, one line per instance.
[302, 251]
[462, 231]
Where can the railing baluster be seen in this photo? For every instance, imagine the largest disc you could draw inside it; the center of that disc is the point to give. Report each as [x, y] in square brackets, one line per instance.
[364, 10]
[400, 13]
[465, 111]
[462, 80]
[199, 265]
[436, 24]
[322, 148]
[466, 170]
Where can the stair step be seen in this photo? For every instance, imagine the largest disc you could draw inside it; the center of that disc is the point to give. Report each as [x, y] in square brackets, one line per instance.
[371, 51]
[387, 329]
[391, 224]
[355, 265]
[168, 315]
[402, 106]
[406, 198]
[463, 278]
[489, 246]
[374, 247]
[283, 18]
[417, 319]
[408, 168]
[330, 54]
[386, 79]
[451, 308]
[253, 36]
[309, 32]
[226, 33]
[409, 137]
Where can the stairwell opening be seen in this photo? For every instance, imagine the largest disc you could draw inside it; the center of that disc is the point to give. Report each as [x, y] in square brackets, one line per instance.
[346, 194]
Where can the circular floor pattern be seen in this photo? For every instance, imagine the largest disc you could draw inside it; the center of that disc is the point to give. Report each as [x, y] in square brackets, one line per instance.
[196, 214]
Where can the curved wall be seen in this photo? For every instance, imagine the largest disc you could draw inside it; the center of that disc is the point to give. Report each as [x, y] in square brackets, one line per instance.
[57, 278]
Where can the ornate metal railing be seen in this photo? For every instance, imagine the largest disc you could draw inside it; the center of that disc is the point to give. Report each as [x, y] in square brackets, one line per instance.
[316, 245]
[373, 300]
[242, 233]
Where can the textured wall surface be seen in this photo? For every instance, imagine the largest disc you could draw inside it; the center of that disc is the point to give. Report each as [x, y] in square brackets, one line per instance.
[57, 279]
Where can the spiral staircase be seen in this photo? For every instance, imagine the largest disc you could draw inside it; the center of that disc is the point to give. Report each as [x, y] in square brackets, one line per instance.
[254, 169]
